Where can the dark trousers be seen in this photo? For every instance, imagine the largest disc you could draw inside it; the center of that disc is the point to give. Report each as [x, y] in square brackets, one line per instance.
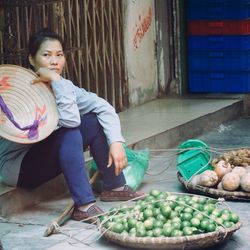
[62, 152]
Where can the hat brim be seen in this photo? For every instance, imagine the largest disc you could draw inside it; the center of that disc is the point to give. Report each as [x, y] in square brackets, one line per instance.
[27, 102]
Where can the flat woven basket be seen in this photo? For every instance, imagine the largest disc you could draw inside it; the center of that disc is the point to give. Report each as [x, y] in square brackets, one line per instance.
[213, 192]
[198, 241]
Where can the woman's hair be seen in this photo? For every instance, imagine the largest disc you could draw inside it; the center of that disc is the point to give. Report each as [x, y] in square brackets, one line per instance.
[39, 37]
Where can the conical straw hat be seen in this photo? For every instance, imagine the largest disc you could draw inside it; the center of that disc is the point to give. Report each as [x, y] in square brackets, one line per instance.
[28, 104]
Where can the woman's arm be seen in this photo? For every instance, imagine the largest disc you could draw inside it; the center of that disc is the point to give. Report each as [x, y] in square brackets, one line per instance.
[65, 96]
[109, 120]
[106, 114]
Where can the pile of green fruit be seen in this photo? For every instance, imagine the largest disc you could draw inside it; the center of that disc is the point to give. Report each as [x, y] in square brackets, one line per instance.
[162, 214]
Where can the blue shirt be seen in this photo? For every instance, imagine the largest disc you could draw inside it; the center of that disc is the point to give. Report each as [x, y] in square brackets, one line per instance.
[72, 102]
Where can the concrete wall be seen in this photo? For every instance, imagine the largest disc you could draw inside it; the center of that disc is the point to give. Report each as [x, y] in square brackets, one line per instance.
[165, 51]
[170, 46]
[139, 46]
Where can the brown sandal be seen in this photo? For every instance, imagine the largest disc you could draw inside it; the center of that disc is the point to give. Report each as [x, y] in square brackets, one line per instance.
[126, 194]
[90, 216]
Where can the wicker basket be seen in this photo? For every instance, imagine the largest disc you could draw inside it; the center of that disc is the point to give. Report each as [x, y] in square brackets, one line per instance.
[213, 192]
[198, 241]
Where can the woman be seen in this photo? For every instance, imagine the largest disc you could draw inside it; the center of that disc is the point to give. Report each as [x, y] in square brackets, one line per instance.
[85, 120]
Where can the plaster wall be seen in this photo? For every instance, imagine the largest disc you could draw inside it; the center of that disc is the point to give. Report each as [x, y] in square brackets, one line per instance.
[164, 48]
[140, 54]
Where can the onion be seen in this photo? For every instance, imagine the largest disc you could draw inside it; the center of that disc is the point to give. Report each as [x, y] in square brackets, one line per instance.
[230, 181]
[219, 186]
[239, 170]
[195, 180]
[208, 178]
[245, 182]
[248, 169]
[221, 168]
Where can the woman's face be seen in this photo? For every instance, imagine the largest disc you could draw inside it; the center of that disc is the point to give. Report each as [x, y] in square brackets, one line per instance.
[49, 55]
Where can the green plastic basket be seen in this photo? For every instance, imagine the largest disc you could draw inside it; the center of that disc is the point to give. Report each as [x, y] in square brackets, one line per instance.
[193, 160]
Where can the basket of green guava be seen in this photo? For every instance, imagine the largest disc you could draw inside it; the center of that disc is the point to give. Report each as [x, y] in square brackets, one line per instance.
[163, 220]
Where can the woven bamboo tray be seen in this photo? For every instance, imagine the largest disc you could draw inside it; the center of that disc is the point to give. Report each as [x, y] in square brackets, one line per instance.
[198, 241]
[213, 192]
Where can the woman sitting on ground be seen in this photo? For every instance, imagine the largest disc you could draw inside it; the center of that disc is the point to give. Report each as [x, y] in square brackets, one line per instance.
[85, 120]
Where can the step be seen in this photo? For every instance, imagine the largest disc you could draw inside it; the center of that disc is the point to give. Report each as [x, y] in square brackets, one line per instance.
[166, 122]
[159, 124]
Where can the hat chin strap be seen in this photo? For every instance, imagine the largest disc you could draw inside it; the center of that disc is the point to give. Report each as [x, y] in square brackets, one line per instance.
[32, 129]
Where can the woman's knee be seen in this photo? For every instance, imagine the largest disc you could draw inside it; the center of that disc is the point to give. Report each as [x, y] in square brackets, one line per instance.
[90, 122]
[71, 149]
[70, 137]
[90, 129]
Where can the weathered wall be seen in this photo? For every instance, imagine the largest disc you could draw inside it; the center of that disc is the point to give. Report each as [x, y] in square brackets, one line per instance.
[139, 43]
[170, 40]
[164, 49]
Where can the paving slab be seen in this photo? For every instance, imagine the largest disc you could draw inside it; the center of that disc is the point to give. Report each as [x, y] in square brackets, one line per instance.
[23, 231]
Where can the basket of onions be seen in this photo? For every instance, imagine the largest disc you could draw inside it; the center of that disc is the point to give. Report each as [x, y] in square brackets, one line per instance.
[229, 178]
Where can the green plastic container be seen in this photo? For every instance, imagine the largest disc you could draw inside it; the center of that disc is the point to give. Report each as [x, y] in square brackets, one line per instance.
[193, 160]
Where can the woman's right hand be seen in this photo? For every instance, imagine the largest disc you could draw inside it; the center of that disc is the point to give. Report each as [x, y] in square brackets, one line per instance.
[118, 156]
[46, 75]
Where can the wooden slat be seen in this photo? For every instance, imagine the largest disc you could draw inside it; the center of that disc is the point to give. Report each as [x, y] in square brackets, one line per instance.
[86, 43]
[18, 37]
[118, 54]
[77, 10]
[105, 83]
[92, 31]
[95, 48]
[111, 53]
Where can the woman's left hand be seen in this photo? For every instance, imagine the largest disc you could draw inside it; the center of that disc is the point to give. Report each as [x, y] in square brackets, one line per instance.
[118, 156]
[46, 75]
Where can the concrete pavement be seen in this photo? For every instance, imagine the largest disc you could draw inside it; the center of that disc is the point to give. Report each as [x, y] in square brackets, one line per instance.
[159, 124]
[23, 231]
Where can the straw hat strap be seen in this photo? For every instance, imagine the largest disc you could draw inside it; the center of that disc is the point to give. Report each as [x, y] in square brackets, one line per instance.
[32, 129]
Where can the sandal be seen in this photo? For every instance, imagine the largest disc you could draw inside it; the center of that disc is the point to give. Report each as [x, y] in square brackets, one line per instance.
[90, 216]
[126, 194]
